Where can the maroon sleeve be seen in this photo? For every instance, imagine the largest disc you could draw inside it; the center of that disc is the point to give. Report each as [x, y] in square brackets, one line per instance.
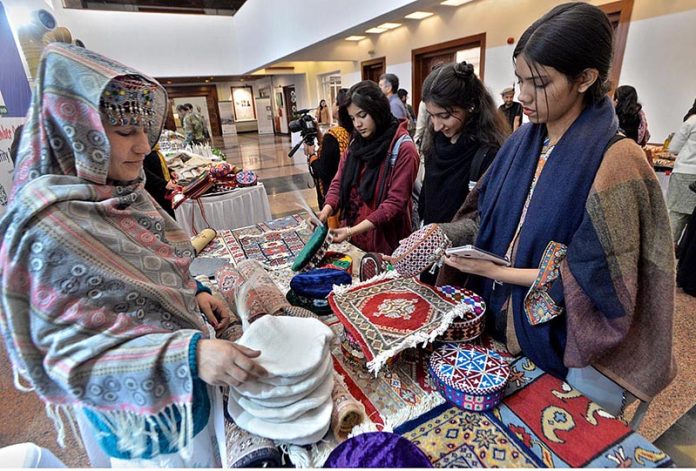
[334, 193]
[400, 187]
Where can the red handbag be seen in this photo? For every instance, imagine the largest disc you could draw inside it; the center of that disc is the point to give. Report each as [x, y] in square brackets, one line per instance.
[197, 188]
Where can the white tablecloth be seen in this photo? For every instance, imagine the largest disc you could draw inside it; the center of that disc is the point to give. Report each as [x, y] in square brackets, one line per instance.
[238, 208]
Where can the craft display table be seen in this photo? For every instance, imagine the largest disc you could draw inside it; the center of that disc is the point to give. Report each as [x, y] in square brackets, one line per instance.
[237, 208]
[541, 422]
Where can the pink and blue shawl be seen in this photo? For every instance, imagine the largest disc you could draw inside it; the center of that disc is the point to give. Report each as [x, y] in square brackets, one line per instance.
[98, 310]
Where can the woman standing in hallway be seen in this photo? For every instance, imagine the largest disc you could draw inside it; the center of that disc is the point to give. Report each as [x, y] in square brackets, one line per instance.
[322, 115]
[98, 311]
[589, 297]
[464, 133]
[632, 120]
[680, 200]
[372, 189]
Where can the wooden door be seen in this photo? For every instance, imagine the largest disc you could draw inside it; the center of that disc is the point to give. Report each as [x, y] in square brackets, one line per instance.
[373, 69]
[424, 59]
[619, 14]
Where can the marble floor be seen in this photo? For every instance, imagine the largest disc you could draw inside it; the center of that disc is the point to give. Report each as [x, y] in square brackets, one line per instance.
[670, 421]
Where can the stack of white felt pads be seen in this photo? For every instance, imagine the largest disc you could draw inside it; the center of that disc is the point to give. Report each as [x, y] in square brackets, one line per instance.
[292, 404]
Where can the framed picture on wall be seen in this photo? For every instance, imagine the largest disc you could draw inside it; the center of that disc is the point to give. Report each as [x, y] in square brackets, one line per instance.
[243, 100]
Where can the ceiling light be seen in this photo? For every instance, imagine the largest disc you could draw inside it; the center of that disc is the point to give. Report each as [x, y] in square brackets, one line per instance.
[455, 3]
[376, 30]
[389, 25]
[418, 15]
[355, 38]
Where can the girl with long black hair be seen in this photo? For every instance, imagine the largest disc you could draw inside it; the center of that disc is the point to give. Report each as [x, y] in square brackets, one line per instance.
[579, 212]
[372, 189]
[632, 120]
[464, 133]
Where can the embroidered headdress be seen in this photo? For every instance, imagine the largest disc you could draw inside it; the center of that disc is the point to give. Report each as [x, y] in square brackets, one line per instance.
[128, 100]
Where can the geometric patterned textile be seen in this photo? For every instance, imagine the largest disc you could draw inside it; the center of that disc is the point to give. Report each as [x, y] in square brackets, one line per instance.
[542, 422]
[420, 250]
[471, 326]
[469, 376]
[390, 315]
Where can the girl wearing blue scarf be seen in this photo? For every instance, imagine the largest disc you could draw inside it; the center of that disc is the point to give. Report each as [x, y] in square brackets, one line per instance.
[590, 294]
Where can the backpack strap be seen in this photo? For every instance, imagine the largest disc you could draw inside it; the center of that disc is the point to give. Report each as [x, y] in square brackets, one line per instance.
[395, 150]
[615, 138]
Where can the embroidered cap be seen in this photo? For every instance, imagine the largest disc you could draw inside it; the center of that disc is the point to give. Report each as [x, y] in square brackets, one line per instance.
[128, 100]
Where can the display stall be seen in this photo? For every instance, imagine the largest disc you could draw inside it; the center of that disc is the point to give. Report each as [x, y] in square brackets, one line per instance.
[465, 403]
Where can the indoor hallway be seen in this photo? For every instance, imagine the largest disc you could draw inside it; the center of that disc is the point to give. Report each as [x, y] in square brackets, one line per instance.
[670, 421]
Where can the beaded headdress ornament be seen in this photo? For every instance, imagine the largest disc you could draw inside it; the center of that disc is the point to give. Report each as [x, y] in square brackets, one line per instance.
[128, 100]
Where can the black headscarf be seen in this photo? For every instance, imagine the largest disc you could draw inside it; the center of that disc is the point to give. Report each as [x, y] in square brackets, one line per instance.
[369, 153]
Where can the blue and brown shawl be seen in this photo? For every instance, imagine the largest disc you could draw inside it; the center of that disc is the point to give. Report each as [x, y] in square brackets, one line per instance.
[98, 311]
[615, 284]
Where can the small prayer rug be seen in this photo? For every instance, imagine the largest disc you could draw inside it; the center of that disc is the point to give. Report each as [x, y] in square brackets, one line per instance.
[389, 315]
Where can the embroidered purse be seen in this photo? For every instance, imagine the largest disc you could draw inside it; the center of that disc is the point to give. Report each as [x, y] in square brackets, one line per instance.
[420, 250]
[471, 326]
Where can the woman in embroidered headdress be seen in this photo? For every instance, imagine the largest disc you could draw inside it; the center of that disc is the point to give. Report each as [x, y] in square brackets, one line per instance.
[590, 294]
[372, 189]
[99, 313]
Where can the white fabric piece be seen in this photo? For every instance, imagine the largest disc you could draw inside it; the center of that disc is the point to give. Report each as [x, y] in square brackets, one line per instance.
[289, 346]
[28, 455]
[307, 429]
[289, 413]
[238, 208]
[261, 391]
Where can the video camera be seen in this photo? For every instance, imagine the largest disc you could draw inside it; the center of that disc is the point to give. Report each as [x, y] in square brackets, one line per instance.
[306, 126]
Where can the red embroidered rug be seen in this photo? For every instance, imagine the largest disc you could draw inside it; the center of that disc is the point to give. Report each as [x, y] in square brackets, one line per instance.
[389, 315]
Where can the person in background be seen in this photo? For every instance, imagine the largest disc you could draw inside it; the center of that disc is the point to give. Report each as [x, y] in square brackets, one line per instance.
[193, 125]
[157, 179]
[332, 147]
[322, 114]
[632, 120]
[589, 297]
[511, 109]
[680, 200]
[99, 313]
[199, 113]
[389, 84]
[372, 188]
[403, 96]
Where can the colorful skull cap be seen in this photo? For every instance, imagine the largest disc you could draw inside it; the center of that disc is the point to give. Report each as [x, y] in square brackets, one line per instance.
[128, 100]
[377, 450]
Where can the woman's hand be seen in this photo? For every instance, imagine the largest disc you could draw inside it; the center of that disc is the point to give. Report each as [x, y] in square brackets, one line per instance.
[215, 310]
[474, 266]
[515, 276]
[325, 213]
[224, 363]
[341, 234]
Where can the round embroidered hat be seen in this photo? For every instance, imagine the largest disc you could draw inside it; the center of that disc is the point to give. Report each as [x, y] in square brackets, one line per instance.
[320, 307]
[314, 250]
[471, 326]
[246, 178]
[469, 376]
[377, 450]
[289, 346]
[318, 282]
[338, 261]
[288, 412]
[262, 391]
[306, 429]
[420, 250]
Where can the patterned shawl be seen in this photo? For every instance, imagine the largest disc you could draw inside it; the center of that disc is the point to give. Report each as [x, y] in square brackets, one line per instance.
[98, 310]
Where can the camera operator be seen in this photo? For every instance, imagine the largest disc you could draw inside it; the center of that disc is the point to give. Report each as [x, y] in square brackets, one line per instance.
[323, 163]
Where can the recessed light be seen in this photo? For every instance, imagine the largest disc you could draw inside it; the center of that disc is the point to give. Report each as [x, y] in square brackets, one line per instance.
[455, 3]
[418, 15]
[389, 25]
[376, 30]
[355, 38]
